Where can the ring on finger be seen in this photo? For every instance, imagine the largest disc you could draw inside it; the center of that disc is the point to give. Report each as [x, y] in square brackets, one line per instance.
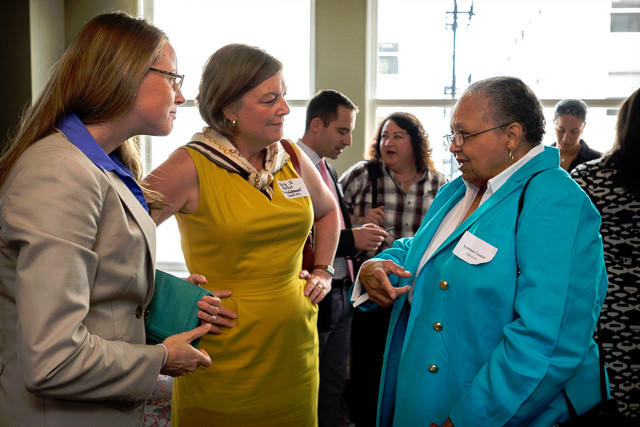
[320, 287]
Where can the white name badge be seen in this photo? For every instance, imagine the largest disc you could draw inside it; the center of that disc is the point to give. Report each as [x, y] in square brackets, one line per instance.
[293, 188]
[474, 250]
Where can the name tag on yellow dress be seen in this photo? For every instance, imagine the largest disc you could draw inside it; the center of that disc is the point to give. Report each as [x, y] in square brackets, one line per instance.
[473, 250]
[293, 188]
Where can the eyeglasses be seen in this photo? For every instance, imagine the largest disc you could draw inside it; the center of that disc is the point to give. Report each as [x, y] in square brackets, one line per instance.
[459, 139]
[176, 79]
[574, 111]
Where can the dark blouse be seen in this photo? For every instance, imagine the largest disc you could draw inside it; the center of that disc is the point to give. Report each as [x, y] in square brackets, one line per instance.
[584, 155]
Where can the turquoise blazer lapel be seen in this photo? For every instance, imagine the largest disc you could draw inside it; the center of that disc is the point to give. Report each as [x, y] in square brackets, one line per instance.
[451, 195]
[538, 163]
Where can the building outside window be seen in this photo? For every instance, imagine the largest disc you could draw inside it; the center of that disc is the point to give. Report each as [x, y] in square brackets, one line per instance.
[388, 58]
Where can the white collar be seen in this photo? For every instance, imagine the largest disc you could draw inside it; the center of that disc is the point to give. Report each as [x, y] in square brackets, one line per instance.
[497, 181]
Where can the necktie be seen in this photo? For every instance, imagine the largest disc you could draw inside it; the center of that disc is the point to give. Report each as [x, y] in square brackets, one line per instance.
[329, 182]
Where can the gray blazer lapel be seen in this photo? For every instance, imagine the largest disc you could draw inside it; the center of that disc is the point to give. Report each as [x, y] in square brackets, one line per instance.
[140, 215]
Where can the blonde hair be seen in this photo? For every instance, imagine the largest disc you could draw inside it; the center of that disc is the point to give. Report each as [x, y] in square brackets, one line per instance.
[97, 78]
[229, 73]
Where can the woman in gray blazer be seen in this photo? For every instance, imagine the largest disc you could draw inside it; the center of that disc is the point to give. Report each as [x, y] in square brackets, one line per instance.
[76, 242]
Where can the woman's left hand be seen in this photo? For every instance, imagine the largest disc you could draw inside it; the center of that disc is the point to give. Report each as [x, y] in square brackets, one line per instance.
[318, 284]
[209, 306]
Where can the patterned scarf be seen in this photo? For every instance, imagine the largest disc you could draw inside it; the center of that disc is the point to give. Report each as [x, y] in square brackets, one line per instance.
[223, 153]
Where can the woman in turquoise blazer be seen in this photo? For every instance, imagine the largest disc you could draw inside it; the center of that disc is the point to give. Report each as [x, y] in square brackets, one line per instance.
[494, 307]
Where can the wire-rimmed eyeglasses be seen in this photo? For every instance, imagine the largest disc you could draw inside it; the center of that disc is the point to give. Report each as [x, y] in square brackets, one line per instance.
[176, 79]
[459, 139]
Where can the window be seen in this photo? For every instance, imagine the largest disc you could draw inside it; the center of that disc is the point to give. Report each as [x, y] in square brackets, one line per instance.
[561, 49]
[196, 29]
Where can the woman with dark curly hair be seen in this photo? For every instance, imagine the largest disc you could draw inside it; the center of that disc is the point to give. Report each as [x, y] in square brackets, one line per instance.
[394, 190]
[401, 168]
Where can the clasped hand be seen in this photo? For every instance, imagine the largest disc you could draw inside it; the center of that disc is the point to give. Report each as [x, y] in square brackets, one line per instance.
[369, 237]
[182, 357]
[211, 309]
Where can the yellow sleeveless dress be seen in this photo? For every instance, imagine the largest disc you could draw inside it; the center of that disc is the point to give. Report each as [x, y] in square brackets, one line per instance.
[264, 370]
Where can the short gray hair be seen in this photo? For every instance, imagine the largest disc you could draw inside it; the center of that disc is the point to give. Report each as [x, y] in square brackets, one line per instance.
[512, 101]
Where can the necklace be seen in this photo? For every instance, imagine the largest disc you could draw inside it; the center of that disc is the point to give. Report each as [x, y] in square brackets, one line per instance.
[569, 154]
[401, 182]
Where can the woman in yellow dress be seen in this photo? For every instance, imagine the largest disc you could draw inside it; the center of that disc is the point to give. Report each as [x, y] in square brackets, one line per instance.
[244, 214]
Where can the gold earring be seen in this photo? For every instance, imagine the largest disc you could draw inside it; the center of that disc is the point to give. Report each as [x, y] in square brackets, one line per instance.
[234, 123]
[510, 157]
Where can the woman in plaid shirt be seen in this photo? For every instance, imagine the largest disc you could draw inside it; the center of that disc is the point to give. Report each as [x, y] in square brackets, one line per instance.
[407, 180]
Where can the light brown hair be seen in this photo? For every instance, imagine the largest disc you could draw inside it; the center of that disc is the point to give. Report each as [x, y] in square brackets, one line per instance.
[232, 71]
[97, 78]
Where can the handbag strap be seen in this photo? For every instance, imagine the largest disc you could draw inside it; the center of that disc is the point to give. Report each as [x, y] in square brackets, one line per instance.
[521, 200]
[292, 154]
[286, 144]
[375, 171]
[520, 204]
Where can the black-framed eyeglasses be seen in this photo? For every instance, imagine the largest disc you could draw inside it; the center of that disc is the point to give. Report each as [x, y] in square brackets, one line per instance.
[176, 79]
[459, 139]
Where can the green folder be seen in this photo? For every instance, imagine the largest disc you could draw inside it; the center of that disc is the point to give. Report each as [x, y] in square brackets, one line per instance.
[173, 308]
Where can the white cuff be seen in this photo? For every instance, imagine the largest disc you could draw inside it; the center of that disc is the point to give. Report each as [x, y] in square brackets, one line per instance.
[359, 295]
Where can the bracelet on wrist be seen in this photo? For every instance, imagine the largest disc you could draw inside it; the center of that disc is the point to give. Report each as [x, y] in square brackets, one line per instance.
[165, 354]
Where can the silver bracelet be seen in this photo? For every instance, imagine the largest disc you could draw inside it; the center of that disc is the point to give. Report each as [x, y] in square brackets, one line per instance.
[165, 356]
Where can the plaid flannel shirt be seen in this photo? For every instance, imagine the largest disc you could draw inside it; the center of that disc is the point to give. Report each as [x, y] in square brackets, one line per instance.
[404, 211]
